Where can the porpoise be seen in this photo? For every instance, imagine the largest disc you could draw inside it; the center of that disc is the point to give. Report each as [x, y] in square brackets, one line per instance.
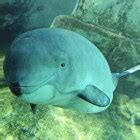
[62, 68]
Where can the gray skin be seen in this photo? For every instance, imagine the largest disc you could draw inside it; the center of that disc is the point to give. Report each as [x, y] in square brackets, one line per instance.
[61, 68]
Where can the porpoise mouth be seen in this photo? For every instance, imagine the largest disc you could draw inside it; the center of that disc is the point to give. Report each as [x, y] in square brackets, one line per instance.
[19, 89]
[42, 95]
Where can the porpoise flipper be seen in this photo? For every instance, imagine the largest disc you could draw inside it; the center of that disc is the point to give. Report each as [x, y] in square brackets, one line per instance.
[33, 107]
[94, 96]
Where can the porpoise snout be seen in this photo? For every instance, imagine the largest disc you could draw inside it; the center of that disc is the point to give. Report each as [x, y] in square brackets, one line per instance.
[15, 88]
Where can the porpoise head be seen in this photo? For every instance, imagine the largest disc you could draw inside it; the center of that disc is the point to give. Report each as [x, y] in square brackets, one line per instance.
[34, 71]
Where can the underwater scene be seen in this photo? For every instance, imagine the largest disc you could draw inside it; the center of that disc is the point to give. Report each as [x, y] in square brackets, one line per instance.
[69, 69]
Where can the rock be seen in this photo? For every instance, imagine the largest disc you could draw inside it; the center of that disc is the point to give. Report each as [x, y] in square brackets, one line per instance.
[129, 108]
[136, 119]
[121, 17]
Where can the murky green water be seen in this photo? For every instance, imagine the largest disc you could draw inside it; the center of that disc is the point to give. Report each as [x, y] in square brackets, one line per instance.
[113, 26]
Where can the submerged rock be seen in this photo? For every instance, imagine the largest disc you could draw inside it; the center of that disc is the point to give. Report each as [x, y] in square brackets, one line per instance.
[120, 16]
[129, 108]
[136, 119]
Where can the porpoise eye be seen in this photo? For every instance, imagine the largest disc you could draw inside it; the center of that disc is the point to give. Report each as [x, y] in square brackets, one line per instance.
[62, 65]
